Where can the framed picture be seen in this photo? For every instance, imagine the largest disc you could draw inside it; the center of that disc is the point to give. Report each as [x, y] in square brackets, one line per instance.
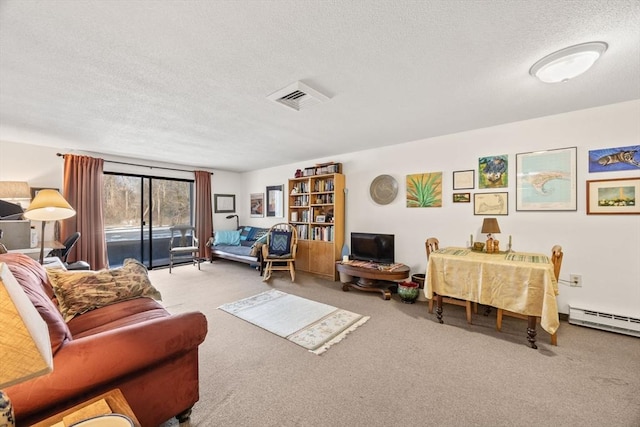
[224, 203]
[546, 180]
[424, 190]
[615, 159]
[275, 201]
[464, 180]
[461, 197]
[257, 205]
[493, 172]
[613, 196]
[491, 203]
[320, 218]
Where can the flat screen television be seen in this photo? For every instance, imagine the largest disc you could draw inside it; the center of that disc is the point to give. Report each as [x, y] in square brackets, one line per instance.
[373, 247]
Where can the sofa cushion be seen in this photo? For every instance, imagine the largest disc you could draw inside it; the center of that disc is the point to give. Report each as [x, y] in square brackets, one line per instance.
[33, 279]
[82, 291]
[279, 242]
[259, 234]
[227, 237]
[245, 232]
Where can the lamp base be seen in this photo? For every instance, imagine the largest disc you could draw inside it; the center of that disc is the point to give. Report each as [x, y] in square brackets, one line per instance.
[6, 411]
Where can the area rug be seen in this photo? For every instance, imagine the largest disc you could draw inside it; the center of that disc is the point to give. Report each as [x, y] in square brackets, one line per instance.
[310, 324]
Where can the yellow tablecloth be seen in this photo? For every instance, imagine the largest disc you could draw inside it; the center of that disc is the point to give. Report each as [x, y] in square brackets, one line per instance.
[520, 282]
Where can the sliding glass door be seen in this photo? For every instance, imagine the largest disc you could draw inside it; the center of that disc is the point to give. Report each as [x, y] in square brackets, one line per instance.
[138, 212]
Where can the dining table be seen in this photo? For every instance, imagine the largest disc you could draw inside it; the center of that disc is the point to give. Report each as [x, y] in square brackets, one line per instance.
[519, 282]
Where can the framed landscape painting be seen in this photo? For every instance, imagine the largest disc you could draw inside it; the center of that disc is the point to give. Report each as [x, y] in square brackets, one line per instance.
[613, 196]
[461, 197]
[546, 180]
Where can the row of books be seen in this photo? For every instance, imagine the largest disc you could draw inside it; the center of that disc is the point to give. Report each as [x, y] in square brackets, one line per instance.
[322, 233]
[323, 169]
[325, 233]
[323, 185]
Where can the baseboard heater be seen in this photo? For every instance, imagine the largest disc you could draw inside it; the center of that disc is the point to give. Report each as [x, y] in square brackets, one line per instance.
[606, 321]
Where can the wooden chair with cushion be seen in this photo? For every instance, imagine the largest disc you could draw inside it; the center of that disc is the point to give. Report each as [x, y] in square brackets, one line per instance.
[432, 244]
[556, 260]
[279, 251]
[183, 242]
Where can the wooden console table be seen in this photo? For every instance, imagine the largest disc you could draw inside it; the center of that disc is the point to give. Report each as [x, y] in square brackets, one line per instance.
[372, 277]
[523, 283]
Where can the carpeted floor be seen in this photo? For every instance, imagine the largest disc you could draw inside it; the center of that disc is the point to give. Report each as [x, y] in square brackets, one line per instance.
[401, 368]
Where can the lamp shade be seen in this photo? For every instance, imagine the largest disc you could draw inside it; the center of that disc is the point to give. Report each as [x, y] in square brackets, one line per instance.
[25, 348]
[490, 225]
[14, 190]
[49, 205]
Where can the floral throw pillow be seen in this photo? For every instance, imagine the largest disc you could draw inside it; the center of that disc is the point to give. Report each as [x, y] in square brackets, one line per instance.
[80, 291]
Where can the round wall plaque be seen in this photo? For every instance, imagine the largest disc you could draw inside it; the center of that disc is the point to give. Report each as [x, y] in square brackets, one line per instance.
[383, 189]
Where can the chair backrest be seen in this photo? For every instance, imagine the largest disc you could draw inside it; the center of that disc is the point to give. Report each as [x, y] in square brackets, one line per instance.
[432, 244]
[556, 259]
[69, 243]
[183, 235]
[282, 238]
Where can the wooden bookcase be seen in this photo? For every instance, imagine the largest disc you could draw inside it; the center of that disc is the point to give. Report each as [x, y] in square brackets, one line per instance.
[316, 208]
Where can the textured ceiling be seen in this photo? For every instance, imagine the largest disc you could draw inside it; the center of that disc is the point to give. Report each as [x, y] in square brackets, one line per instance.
[187, 82]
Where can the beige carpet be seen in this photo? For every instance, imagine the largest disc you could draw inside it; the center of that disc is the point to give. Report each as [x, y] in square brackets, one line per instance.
[402, 368]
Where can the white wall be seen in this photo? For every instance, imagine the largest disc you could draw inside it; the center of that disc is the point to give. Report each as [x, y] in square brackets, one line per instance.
[604, 249]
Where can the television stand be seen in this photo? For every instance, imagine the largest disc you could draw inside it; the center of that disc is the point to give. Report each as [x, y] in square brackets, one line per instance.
[371, 276]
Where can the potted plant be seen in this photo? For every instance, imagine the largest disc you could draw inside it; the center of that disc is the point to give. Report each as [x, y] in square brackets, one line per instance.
[408, 291]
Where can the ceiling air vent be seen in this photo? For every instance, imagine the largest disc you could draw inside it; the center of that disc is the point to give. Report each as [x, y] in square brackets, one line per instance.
[298, 96]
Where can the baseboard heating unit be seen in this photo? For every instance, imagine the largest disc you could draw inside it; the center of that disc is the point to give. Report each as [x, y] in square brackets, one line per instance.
[606, 321]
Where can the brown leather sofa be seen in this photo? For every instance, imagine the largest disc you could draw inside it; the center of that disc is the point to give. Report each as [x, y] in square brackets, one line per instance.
[134, 345]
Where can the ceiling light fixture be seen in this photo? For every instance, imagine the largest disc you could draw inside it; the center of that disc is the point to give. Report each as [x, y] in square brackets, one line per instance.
[568, 63]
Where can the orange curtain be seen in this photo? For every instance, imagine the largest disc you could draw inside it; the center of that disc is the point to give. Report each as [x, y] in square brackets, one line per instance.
[204, 218]
[83, 188]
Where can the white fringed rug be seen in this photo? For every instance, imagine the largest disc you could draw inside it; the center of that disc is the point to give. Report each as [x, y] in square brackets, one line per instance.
[310, 324]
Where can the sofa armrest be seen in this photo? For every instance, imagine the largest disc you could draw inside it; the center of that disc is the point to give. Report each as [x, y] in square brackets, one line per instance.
[83, 363]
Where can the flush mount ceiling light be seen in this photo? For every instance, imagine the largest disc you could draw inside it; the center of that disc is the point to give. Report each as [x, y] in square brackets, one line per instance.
[568, 63]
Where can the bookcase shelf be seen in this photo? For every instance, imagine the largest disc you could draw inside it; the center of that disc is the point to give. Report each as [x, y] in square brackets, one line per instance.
[316, 208]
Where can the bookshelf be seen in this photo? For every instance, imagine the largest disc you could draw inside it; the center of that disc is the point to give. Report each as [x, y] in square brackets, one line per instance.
[316, 208]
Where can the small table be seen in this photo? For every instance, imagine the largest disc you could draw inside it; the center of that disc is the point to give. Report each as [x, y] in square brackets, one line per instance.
[114, 398]
[372, 277]
[523, 283]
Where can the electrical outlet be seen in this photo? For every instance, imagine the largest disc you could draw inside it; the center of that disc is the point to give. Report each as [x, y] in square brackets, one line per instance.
[576, 280]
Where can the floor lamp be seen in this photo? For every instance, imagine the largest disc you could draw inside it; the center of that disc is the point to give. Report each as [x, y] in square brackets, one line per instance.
[25, 348]
[237, 220]
[48, 205]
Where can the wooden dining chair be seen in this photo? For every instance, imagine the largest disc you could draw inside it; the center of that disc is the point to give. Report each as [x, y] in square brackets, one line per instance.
[556, 260]
[432, 244]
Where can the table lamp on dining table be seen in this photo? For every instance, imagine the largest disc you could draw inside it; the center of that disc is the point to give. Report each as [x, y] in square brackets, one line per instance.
[490, 226]
[25, 348]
